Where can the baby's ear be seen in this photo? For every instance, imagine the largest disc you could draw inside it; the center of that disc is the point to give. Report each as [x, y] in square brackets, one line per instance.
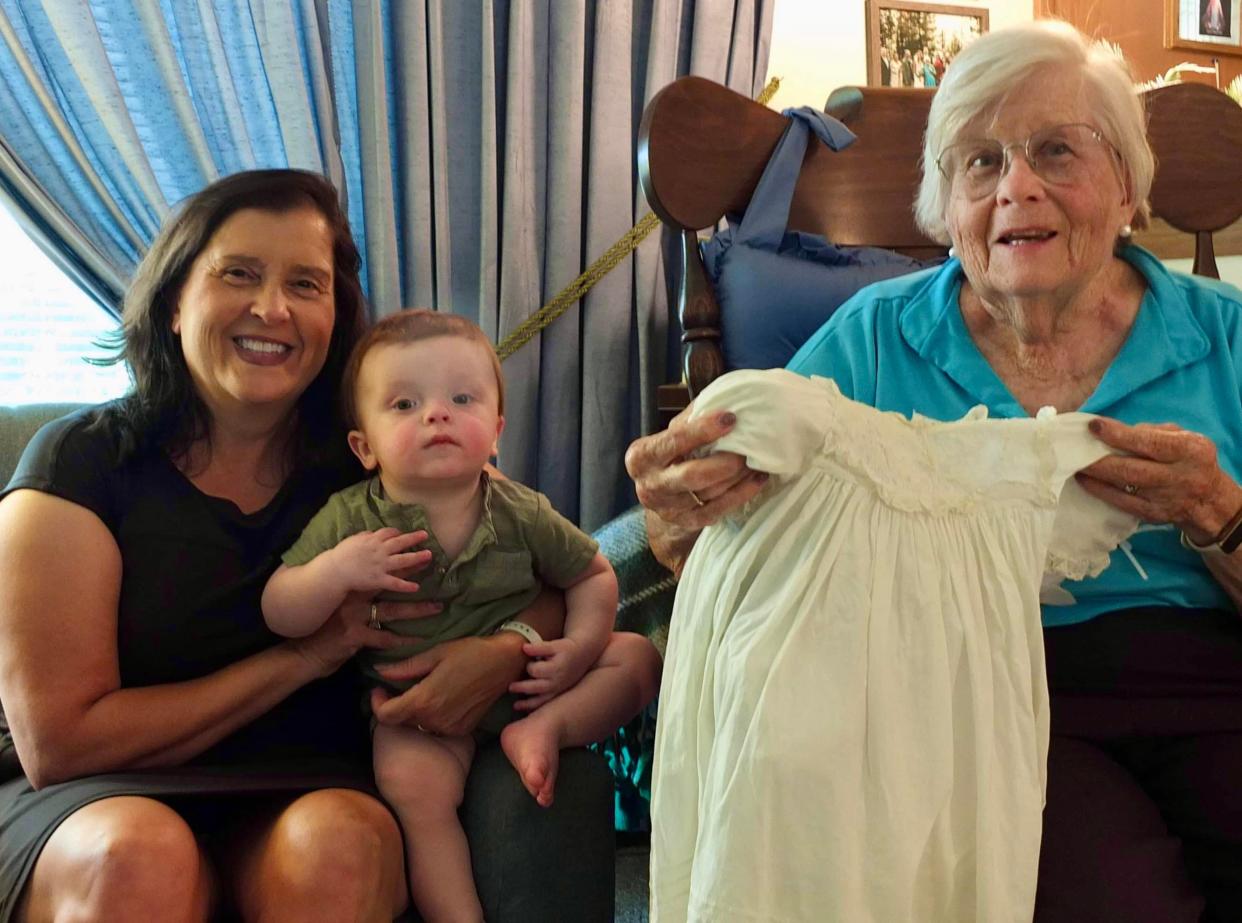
[500, 428]
[361, 447]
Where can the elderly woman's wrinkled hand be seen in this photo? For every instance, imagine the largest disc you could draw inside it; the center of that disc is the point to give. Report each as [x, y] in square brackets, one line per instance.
[1169, 475]
[689, 492]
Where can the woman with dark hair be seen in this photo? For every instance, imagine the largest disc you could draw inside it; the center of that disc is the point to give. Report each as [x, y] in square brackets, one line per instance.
[175, 759]
[165, 405]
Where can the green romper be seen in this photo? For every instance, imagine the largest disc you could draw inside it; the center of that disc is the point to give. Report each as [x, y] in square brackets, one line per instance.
[520, 544]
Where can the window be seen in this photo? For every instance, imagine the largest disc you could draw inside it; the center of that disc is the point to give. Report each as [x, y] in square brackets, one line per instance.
[48, 326]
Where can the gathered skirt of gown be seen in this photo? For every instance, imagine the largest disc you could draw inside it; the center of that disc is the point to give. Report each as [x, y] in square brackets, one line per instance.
[854, 715]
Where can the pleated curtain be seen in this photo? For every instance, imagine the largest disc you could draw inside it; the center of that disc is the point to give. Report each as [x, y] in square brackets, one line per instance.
[485, 150]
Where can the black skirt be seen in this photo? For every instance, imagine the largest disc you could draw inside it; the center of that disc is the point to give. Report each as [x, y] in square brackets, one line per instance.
[531, 864]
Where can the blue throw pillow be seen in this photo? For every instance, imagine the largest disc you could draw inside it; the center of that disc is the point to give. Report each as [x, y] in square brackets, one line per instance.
[772, 301]
[777, 287]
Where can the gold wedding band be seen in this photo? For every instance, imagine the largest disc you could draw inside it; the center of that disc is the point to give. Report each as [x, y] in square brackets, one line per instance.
[1131, 489]
[697, 499]
[374, 621]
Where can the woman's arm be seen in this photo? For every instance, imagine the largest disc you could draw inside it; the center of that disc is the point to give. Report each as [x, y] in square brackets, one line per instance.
[460, 680]
[59, 670]
[682, 494]
[1227, 569]
[546, 614]
[298, 599]
[671, 544]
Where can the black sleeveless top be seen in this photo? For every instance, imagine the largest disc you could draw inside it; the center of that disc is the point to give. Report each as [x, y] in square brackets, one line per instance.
[194, 568]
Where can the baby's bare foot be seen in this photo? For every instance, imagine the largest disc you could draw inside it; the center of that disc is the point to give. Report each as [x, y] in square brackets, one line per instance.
[535, 753]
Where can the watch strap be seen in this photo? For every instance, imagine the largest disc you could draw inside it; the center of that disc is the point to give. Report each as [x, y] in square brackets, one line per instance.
[1226, 541]
[1231, 535]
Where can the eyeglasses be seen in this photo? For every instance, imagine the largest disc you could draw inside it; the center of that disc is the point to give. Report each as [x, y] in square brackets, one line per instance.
[1058, 154]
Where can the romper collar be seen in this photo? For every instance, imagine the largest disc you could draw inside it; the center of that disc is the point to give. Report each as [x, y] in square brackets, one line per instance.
[1165, 336]
[410, 517]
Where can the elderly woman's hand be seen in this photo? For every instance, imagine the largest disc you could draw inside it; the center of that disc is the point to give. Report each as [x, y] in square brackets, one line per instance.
[690, 493]
[1170, 475]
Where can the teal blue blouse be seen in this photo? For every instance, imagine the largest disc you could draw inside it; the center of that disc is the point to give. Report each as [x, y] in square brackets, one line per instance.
[902, 345]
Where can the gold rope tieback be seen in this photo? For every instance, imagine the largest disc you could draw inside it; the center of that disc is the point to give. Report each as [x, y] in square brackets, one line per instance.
[576, 289]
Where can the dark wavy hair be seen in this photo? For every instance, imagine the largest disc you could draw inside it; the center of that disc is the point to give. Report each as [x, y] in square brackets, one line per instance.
[164, 409]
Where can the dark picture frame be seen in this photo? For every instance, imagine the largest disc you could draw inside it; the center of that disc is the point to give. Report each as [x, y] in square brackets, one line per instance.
[1211, 26]
[910, 44]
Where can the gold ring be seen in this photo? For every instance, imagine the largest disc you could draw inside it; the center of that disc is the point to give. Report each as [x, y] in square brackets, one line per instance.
[1131, 489]
[374, 622]
[697, 499]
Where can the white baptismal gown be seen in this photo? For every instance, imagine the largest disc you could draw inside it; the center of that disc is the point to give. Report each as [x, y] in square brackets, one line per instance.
[853, 719]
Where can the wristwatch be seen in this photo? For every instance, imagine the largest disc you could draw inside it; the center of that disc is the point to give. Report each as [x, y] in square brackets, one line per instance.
[1226, 542]
[522, 629]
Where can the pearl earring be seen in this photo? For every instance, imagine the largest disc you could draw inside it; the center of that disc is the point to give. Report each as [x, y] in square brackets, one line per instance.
[1126, 231]
[952, 252]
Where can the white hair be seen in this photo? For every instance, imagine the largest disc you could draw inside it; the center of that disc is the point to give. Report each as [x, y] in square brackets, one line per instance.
[996, 64]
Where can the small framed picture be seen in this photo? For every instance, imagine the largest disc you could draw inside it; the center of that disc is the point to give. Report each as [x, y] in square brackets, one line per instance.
[911, 44]
[1211, 26]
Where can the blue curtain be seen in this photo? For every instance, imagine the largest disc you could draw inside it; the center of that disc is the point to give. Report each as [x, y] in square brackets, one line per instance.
[111, 112]
[484, 150]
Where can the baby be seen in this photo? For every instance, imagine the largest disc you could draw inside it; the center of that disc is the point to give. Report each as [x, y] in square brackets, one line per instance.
[425, 398]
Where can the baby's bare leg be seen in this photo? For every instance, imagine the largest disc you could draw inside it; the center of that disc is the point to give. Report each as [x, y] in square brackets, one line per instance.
[620, 684]
[423, 778]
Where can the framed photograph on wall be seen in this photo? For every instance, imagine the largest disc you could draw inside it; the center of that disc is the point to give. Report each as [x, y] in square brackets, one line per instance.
[1212, 26]
[910, 44]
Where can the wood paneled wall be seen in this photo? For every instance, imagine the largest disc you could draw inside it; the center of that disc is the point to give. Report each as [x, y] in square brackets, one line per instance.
[1137, 26]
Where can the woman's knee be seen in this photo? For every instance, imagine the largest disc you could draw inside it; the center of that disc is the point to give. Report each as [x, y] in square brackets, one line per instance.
[1196, 777]
[1107, 853]
[331, 854]
[332, 828]
[121, 858]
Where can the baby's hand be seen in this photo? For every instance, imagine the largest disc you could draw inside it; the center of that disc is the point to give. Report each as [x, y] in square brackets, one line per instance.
[554, 667]
[370, 561]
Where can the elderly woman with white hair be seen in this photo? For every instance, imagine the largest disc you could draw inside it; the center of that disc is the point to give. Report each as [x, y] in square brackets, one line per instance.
[1035, 169]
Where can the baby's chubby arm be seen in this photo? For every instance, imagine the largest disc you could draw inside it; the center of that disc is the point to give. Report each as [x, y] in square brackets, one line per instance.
[299, 599]
[590, 613]
[591, 610]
